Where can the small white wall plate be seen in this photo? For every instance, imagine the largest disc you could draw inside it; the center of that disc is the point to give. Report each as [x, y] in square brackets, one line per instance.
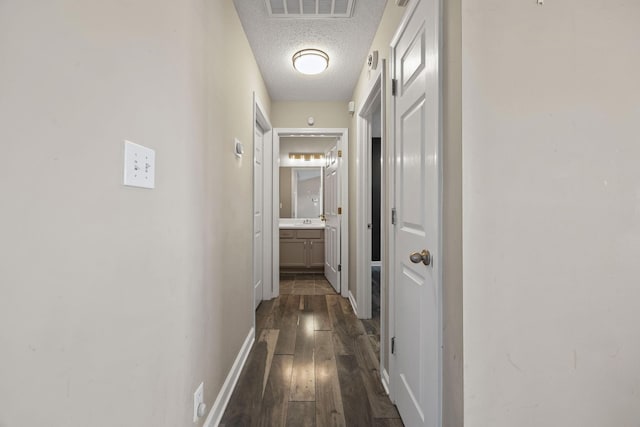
[238, 148]
[372, 60]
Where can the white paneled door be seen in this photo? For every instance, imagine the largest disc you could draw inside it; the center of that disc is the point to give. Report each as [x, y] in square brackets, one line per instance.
[416, 376]
[258, 211]
[332, 215]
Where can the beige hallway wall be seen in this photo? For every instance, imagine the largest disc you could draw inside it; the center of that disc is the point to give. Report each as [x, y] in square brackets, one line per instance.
[228, 190]
[452, 292]
[112, 299]
[551, 214]
[294, 114]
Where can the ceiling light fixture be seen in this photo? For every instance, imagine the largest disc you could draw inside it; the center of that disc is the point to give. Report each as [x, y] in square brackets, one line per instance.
[310, 61]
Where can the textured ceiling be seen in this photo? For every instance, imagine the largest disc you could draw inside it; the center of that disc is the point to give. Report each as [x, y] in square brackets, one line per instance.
[345, 40]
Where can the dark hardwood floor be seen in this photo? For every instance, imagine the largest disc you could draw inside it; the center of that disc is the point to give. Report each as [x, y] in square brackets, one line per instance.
[312, 364]
[372, 326]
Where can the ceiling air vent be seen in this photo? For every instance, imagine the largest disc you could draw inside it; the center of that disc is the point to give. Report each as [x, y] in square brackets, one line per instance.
[310, 9]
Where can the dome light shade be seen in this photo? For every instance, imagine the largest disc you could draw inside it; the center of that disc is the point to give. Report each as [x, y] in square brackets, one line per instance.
[310, 61]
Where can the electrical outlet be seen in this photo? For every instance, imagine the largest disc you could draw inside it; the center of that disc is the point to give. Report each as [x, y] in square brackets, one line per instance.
[198, 398]
[139, 165]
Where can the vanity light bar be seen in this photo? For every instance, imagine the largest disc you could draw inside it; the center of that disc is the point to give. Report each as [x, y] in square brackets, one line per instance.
[306, 156]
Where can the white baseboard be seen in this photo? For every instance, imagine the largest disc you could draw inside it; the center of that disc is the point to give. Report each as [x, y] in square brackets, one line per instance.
[384, 377]
[353, 302]
[218, 408]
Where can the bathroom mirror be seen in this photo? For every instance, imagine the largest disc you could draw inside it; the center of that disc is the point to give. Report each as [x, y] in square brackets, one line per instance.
[300, 192]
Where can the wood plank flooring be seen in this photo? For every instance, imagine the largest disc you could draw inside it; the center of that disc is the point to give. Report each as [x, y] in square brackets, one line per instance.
[372, 326]
[312, 364]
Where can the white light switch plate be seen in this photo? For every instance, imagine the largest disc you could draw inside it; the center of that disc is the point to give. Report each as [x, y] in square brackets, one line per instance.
[139, 165]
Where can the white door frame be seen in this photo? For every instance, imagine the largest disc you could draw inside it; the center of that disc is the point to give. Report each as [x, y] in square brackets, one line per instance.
[258, 216]
[343, 144]
[392, 197]
[261, 121]
[375, 97]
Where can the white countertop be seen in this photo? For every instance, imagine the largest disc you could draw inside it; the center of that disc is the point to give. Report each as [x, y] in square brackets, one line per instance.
[297, 223]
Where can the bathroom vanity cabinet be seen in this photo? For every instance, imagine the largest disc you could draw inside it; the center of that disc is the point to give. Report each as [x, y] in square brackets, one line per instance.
[302, 249]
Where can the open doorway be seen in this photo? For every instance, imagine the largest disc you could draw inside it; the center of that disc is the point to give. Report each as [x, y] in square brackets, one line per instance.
[310, 231]
[372, 219]
[373, 324]
[301, 204]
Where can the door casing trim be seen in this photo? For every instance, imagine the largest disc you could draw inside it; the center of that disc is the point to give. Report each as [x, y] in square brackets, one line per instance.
[375, 96]
[261, 121]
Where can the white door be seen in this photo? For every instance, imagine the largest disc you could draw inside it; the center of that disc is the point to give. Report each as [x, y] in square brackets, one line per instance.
[332, 224]
[258, 209]
[416, 377]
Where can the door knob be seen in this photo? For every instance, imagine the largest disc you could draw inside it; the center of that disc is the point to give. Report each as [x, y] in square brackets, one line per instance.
[424, 256]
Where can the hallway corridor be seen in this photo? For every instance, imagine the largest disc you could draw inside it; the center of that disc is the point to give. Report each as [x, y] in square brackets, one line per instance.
[311, 365]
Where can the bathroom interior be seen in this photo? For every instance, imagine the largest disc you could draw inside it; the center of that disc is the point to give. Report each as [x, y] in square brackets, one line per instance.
[301, 215]
[301, 222]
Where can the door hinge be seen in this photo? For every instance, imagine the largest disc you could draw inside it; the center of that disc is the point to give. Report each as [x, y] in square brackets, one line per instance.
[394, 87]
[393, 216]
[339, 153]
[339, 211]
[393, 345]
[339, 267]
